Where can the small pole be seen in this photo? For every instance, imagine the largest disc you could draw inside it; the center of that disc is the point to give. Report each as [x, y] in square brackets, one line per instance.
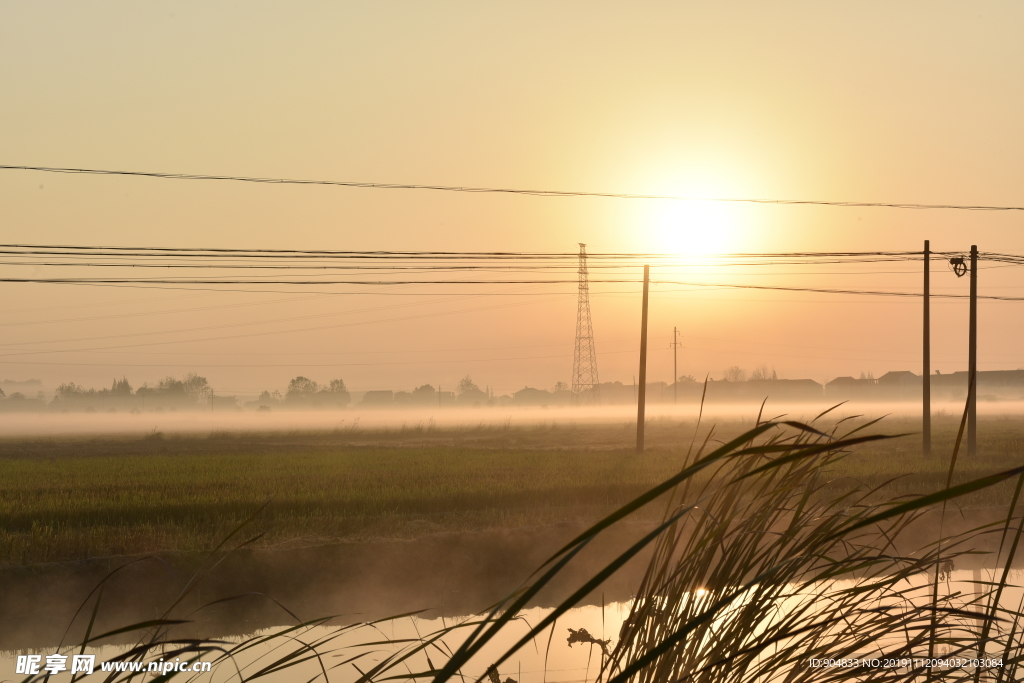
[972, 360]
[675, 365]
[926, 370]
[643, 368]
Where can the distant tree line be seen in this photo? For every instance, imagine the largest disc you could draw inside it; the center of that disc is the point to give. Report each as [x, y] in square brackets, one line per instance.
[305, 393]
[738, 374]
[193, 392]
[190, 392]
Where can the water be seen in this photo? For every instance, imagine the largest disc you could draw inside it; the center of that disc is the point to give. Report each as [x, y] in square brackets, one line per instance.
[547, 657]
[537, 661]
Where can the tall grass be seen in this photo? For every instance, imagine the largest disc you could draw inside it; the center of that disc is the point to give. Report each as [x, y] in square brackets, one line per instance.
[755, 574]
[762, 575]
[762, 561]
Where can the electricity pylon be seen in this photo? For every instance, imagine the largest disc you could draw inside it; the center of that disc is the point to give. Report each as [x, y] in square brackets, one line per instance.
[586, 388]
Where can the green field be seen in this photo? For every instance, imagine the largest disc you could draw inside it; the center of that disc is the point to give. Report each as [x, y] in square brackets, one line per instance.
[67, 499]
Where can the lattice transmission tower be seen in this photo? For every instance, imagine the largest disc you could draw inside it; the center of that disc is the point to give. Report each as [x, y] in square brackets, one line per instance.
[586, 388]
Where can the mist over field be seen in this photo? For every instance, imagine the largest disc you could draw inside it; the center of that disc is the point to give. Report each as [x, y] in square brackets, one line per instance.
[416, 421]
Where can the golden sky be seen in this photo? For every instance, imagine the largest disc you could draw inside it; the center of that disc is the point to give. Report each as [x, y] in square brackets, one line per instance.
[910, 102]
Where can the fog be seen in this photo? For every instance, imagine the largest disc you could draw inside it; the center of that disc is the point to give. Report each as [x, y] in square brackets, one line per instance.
[411, 420]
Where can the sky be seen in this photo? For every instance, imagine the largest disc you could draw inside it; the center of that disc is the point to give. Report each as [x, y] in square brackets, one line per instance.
[880, 102]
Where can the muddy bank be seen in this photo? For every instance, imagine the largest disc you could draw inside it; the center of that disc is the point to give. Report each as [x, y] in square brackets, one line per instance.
[447, 574]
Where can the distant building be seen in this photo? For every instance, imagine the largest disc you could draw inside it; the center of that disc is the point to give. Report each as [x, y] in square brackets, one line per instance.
[899, 378]
[617, 393]
[846, 388]
[472, 397]
[26, 387]
[760, 389]
[656, 392]
[785, 389]
[424, 395]
[377, 399]
[224, 403]
[687, 391]
[528, 396]
[899, 385]
[1000, 383]
[992, 385]
[561, 397]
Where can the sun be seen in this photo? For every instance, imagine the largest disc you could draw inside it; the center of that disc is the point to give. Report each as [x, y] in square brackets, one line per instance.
[695, 227]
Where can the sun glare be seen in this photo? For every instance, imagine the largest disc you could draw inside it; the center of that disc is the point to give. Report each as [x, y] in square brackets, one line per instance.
[695, 228]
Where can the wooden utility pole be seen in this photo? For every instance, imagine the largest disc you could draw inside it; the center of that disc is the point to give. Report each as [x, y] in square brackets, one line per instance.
[675, 365]
[926, 370]
[642, 394]
[972, 360]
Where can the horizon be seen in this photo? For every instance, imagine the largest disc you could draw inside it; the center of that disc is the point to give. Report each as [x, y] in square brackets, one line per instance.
[12, 385]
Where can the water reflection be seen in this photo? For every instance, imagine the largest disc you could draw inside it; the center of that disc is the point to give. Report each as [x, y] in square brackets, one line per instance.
[348, 651]
[547, 658]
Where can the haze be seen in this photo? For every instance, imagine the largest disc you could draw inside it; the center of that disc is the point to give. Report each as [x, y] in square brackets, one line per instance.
[915, 102]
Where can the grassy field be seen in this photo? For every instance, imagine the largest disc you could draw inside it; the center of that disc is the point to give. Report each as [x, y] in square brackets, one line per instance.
[67, 499]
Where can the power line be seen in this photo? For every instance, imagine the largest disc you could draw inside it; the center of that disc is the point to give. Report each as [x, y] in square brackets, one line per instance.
[499, 190]
[823, 290]
[425, 261]
[182, 281]
[390, 263]
[207, 252]
[314, 365]
[419, 316]
[139, 314]
[407, 269]
[374, 283]
[316, 316]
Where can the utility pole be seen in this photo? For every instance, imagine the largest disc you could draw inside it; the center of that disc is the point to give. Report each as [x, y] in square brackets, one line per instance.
[972, 360]
[926, 370]
[643, 367]
[675, 365]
